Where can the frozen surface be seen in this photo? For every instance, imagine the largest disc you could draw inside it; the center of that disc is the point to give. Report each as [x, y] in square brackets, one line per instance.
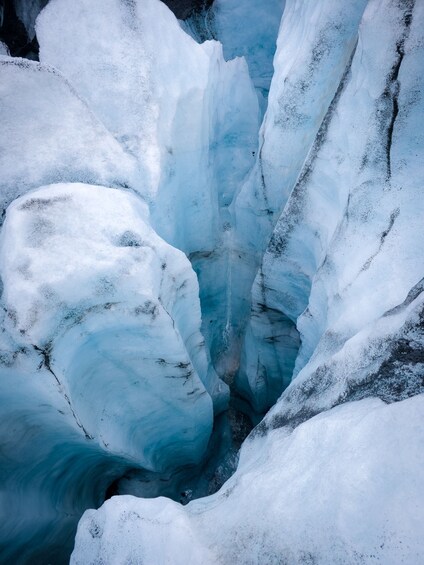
[344, 264]
[102, 318]
[98, 293]
[250, 29]
[308, 253]
[189, 118]
[50, 472]
[3, 49]
[166, 99]
[315, 43]
[48, 134]
[334, 490]
[246, 29]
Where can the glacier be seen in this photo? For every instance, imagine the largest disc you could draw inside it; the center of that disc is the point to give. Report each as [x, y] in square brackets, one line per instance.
[211, 345]
[289, 502]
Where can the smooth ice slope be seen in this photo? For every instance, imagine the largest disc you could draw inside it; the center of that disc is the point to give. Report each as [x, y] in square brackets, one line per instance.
[345, 261]
[335, 490]
[49, 135]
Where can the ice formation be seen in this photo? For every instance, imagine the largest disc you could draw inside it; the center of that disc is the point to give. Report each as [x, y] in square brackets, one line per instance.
[3, 49]
[90, 296]
[161, 95]
[334, 490]
[189, 118]
[156, 237]
[343, 264]
[246, 29]
[50, 135]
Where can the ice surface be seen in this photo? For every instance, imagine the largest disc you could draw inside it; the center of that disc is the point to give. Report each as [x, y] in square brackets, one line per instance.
[309, 64]
[188, 117]
[250, 29]
[166, 99]
[102, 318]
[49, 135]
[308, 265]
[335, 490]
[50, 472]
[92, 287]
[246, 29]
[347, 249]
[4, 49]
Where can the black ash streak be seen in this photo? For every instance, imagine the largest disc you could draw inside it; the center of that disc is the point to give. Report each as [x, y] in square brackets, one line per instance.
[392, 90]
[46, 357]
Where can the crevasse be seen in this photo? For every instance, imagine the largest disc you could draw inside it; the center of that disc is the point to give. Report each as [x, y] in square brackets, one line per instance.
[185, 232]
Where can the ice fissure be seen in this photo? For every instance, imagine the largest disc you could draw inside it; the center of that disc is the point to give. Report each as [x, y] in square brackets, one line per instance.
[209, 226]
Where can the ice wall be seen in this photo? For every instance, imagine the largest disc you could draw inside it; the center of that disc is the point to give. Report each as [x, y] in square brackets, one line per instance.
[104, 370]
[96, 318]
[333, 474]
[246, 29]
[164, 104]
[189, 119]
[344, 258]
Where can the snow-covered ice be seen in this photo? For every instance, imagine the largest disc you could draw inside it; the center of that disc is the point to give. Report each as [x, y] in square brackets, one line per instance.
[154, 235]
[347, 248]
[344, 487]
[167, 99]
[92, 287]
[50, 135]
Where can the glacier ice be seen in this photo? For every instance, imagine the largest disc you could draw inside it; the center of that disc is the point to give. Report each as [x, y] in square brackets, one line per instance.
[187, 116]
[248, 29]
[97, 294]
[305, 78]
[50, 135]
[90, 296]
[334, 490]
[346, 250]
[3, 49]
[164, 104]
[135, 181]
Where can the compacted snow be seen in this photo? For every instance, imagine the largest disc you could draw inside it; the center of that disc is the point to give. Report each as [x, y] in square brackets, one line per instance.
[185, 220]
